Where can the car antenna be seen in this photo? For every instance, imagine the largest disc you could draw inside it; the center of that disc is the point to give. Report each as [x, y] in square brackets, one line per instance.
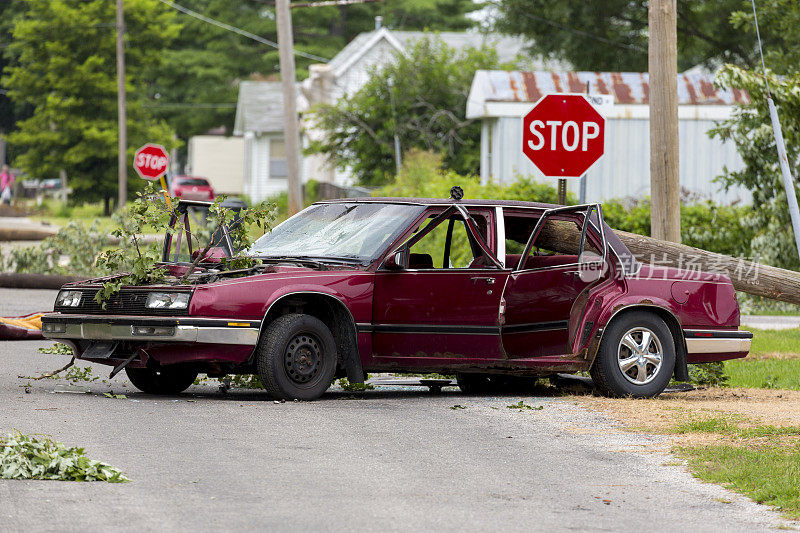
[456, 193]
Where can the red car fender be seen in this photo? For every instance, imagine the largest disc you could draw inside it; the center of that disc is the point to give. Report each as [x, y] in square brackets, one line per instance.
[602, 305]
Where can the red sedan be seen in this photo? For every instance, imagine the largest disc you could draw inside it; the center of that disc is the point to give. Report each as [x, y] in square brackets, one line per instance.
[477, 288]
[192, 188]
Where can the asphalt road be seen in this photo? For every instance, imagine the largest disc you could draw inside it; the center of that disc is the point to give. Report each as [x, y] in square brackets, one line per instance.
[395, 459]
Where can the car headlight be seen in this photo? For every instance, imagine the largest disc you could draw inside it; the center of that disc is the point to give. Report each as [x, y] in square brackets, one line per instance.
[168, 300]
[69, 299]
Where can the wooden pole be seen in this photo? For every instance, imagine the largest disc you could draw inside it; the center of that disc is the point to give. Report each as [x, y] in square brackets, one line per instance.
[286, 59]
[665, 210]
[122, 122]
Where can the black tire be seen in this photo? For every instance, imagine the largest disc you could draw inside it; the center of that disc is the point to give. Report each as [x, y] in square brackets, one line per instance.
[165, 380]
[296, 358]
[645, 378]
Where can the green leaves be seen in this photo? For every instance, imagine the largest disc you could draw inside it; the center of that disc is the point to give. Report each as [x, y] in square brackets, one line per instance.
[421, 96]
[29, 457]
[749, 128]
[62, 71]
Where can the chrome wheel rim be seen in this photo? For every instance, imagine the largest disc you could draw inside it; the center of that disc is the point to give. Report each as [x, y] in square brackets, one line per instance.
[639, 355]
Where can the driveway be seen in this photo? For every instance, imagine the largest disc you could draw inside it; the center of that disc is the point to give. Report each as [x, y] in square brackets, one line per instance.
[393, 459]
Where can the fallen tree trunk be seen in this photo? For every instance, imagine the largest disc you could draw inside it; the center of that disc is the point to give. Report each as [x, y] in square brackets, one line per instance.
[747, 276]
[14, 280]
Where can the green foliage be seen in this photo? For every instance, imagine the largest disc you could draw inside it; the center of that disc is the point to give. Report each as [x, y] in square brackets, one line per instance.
[612, 35]
[62, 70]
[421, 97]
[764, 373]
[750, 129]
[346, 385]
[71, 252]
[522, 406]
[705, 225]
[709, 374]
[29, 457]
[148, 210]
[58, 348]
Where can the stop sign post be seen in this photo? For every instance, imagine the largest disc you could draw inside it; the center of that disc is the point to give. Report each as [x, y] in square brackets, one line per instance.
[563, 135]
[151, 163]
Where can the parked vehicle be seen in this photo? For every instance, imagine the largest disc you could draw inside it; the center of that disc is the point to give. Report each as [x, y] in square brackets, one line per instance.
[479, 288]
[191, 188]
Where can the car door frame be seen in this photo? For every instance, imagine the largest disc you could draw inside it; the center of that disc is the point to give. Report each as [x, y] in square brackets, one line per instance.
[580, 267]
[475, 275]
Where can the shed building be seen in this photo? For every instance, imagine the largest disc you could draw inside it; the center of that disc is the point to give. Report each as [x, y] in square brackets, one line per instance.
[500, 99]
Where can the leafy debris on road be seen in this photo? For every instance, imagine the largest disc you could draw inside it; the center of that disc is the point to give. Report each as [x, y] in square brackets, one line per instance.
[458, 406]
[29, 457]
[58, 348]
[346, 385]
[522, 406]
[115, 396]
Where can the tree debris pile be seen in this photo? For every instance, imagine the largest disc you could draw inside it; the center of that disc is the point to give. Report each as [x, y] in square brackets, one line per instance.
[28, 457]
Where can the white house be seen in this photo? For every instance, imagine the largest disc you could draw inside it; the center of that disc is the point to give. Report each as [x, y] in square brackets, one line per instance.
[259, 116]
[500, 99]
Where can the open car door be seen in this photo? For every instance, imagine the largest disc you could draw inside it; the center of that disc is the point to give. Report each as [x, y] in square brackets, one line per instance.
[566, 254]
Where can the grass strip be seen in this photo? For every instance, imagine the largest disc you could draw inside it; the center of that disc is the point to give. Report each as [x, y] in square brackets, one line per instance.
[768, 474]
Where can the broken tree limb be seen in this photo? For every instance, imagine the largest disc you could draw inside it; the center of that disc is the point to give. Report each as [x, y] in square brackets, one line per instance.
[16, 280]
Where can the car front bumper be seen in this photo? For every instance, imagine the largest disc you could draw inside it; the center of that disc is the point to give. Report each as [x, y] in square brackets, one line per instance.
[710, 341]
[60, 326]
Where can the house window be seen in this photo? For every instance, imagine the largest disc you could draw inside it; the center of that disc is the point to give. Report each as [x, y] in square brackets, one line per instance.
[277, 159]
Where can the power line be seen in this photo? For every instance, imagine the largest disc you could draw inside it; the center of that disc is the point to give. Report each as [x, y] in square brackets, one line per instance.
[239, 31]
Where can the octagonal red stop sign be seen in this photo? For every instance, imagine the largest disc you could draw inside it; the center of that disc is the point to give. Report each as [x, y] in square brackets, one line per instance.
[151, 161]
[563, 135]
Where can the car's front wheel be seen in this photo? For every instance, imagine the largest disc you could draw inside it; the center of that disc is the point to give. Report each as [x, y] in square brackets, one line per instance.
[636, 357]
[165, 380]
[296, 357]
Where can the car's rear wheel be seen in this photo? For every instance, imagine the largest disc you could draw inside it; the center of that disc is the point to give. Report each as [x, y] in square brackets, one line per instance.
[636, 357]
[296, 357]
[165, 380]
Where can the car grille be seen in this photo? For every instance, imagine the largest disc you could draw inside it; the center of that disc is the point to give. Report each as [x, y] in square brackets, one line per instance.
[125, 302]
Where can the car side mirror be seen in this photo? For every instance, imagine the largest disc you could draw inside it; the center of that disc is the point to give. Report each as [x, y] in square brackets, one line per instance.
[397, 260]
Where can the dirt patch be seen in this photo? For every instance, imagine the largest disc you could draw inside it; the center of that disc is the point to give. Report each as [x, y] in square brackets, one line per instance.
[780, 408]
[774, 355]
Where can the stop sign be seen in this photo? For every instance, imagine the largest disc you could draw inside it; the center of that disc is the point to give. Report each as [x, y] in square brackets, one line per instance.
[563, 135]
[151, 161]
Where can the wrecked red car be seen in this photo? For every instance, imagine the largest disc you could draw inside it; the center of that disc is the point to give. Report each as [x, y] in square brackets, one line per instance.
[477, 288]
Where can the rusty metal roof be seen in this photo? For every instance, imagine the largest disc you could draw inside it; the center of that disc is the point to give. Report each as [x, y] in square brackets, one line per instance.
[626, 87]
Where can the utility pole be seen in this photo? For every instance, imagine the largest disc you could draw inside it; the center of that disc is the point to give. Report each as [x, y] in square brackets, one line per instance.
[665, 208]
[122, 163]
[286, 60]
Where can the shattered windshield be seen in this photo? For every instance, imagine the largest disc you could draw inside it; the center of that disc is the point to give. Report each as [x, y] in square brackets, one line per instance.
[357, 231]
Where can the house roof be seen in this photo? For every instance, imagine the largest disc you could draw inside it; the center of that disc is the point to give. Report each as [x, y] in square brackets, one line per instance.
[694, 88]
[259, 108]
[508, 48]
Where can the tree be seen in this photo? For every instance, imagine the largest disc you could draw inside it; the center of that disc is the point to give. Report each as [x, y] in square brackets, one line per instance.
[64, 69]
[750, 129]
[613, 34]
[202, 69]
[421, 97]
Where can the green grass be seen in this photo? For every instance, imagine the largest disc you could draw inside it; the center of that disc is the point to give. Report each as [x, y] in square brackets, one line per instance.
[766, 341]
[769, 475]
[729, 425]
[764, 373]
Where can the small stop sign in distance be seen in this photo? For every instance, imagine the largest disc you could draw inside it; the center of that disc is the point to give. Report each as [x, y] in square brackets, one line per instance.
[151, 161]
[563, 135]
